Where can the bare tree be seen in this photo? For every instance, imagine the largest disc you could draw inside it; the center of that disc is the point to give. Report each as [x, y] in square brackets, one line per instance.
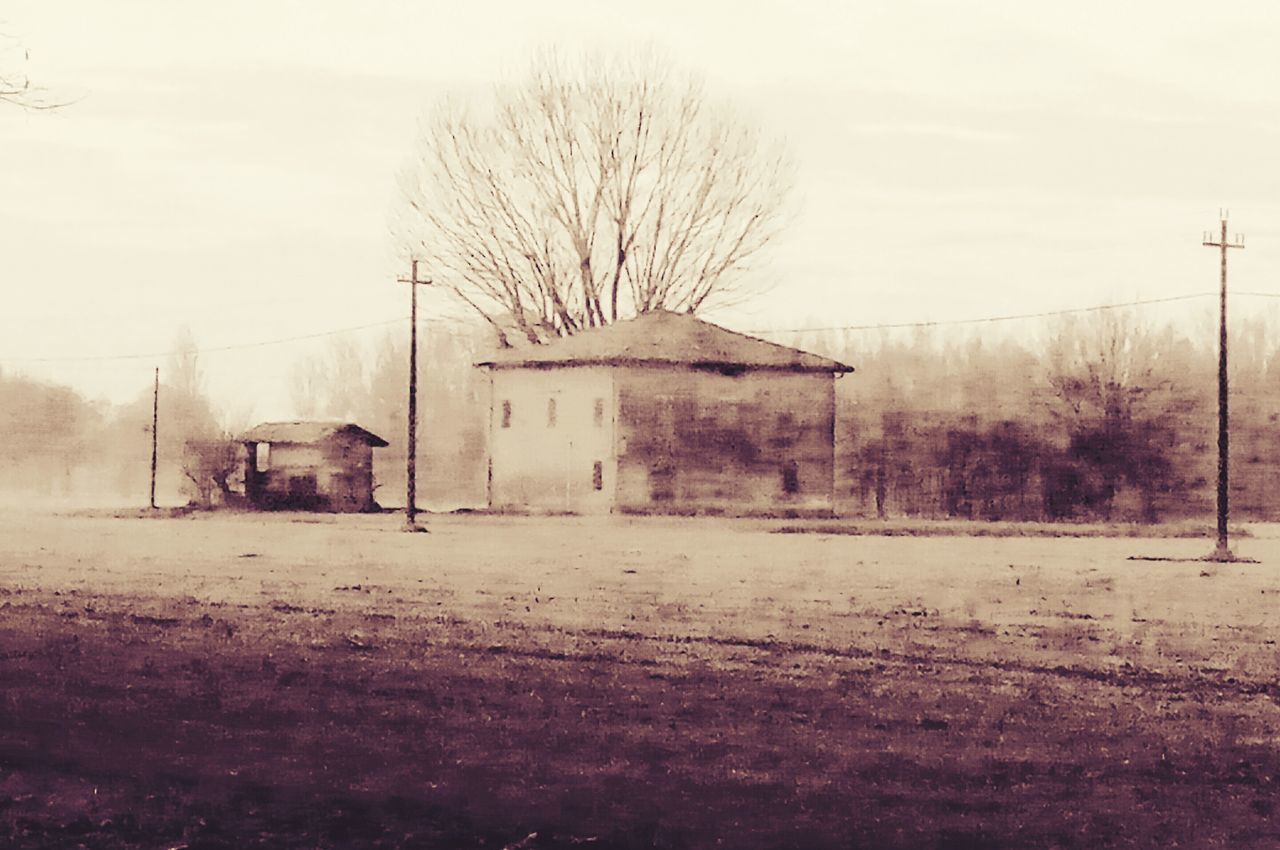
[590, 193]
[211, 465]
[184, 372]
[1109, 368]
[15, 85]
[331, 384]
[1121, 392]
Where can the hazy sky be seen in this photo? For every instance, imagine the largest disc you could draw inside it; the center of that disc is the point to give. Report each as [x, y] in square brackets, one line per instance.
[231, 166]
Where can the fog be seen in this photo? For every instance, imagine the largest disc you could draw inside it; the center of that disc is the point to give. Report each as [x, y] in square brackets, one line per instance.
[1100, 415]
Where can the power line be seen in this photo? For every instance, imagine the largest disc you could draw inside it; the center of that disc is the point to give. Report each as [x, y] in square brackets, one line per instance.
[210, 350]
[1003, 318]
[236, 347]
[874, 327]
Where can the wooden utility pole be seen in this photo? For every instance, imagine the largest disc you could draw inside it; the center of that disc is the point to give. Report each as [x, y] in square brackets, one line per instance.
[411, 494]
[155, 421]
[1223, 551]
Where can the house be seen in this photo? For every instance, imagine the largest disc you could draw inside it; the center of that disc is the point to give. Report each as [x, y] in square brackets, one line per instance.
[664, 413]
[313, 466]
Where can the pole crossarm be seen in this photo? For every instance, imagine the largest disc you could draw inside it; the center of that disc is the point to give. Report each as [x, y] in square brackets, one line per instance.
[413, 276]
[1225, 245]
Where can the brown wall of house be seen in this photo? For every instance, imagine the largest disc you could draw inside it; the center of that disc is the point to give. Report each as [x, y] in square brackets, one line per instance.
[692, 440]
[335, 475]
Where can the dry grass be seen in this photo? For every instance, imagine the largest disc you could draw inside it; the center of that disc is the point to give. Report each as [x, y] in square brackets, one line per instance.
[1187, 529]
[239, 681]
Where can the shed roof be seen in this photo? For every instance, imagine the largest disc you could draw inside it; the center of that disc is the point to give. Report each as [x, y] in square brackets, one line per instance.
[663, 338]
[307, 432]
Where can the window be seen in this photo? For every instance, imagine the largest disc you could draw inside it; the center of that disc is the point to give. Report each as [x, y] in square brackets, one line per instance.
[262, 457]
[551, 412]
[599, 413]
[790, 477]
[597, 475]
[506, 414]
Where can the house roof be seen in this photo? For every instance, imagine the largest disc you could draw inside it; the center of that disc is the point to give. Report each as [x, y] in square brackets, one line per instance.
[663, 338]
[307, 432]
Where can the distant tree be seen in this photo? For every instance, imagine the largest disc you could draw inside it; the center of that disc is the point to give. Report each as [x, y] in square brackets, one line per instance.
[368, 384]
[333, 384]
[184, 373]
[211, 455]
[210, 465]
[1120, 393]
[988, 472]
[591, 193]
[188, 424]
[49, 431]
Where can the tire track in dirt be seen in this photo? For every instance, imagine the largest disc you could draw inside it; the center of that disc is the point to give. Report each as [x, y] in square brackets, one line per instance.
[954, 635]
[1129, 676]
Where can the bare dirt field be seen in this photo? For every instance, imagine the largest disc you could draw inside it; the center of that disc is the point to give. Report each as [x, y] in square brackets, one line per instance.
[297, 682]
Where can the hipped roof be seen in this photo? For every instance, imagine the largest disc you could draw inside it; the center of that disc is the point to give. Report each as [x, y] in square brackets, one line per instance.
[307, 432]
[663, 338]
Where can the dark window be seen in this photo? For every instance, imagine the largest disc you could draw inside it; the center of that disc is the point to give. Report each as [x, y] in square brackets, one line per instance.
[551, 413]
[597, 475]
[790, 477]
[599, 414]
[302, 489]
[506, 414]
[662, 481]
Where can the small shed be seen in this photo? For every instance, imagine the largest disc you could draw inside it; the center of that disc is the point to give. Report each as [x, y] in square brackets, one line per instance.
[310, 466]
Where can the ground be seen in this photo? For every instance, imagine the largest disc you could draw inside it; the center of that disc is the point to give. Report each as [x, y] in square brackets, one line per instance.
[291, 681]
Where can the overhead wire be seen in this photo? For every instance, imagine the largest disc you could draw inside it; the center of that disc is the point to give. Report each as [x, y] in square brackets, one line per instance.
[761, 331]
[215, 349]
[990, 319]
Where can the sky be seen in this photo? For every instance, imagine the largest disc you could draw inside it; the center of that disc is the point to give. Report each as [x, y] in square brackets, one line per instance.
[231, 167]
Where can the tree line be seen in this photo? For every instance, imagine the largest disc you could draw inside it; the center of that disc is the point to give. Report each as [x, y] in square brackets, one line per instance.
[63, 447]
[1106, 419]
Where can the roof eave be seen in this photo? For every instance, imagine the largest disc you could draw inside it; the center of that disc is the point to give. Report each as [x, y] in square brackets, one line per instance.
[832, 367]
[263, 434]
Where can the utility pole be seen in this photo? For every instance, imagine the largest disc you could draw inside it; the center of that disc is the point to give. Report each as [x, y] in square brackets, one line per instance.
[410, 502]
[1223, 551]
[155, 421]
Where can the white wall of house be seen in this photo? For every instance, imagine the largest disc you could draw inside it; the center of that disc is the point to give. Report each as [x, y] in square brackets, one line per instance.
[548, 430]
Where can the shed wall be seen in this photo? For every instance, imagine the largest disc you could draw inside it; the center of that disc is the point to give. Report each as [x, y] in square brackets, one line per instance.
[335, 474]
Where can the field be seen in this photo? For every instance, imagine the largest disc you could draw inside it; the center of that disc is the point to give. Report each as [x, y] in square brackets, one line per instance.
[294, 682]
